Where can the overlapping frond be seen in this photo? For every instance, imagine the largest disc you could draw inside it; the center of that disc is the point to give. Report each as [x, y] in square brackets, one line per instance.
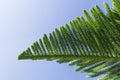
[92, 44]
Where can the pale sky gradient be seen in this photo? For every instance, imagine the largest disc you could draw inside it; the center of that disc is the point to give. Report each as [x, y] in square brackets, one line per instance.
[24, 21]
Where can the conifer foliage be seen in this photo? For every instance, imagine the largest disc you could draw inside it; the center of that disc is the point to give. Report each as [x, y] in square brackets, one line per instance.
[91, 43]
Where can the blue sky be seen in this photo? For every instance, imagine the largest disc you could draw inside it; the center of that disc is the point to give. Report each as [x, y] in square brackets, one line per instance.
[24, 21]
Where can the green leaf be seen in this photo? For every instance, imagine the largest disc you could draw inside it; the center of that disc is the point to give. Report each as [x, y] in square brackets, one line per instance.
[91, 43]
